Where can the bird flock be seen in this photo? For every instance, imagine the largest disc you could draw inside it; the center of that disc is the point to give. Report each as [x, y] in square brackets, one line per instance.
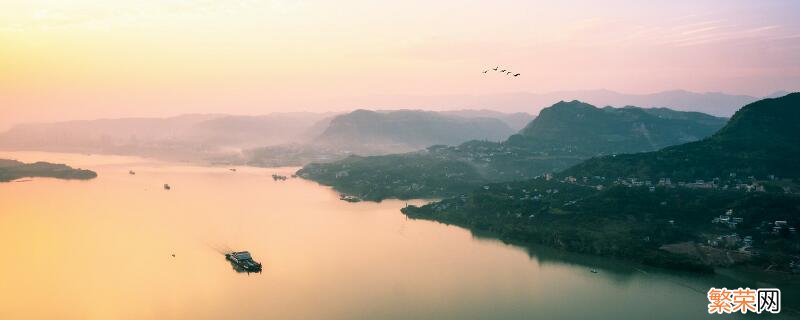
[504, 71]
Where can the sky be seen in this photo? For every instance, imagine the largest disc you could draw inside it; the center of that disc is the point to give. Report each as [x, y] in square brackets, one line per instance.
[84, 59]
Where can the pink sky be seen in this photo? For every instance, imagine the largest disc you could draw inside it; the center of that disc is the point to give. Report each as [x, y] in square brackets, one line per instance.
[96, 58]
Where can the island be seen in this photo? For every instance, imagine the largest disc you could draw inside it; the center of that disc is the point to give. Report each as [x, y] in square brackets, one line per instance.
[13, 169]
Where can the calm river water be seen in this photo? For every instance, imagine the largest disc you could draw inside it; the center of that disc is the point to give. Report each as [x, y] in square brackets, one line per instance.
[102, 249]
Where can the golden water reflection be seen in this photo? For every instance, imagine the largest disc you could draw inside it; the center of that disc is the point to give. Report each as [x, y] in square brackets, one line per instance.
[102, 249]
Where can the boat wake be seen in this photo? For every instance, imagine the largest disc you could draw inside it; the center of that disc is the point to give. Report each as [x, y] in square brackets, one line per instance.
[222, 249]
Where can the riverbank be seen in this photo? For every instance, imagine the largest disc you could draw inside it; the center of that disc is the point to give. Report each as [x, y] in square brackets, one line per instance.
[622, 250]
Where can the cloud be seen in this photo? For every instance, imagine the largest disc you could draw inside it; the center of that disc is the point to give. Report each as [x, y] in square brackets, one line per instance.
[786, 37]
[700, 30]
[713, 31]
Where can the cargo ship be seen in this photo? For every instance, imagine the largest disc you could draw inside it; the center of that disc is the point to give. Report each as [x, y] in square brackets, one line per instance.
[243, 260]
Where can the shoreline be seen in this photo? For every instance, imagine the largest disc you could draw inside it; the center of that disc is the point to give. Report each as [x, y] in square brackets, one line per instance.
[740, 269]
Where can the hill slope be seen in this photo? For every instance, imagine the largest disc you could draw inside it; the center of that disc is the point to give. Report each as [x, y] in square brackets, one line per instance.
[577, 127]
[365, 131]
[761, 139]
[561, 136]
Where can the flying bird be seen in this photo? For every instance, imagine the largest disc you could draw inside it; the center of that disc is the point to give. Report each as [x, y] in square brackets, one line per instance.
[506, 71]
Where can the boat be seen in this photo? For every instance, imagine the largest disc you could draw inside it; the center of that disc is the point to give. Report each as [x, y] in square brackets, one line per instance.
[349, 198]
[232, 169]
[593, 271]
[243, 260]
[167, 187]
[131, 172]
[277, 177]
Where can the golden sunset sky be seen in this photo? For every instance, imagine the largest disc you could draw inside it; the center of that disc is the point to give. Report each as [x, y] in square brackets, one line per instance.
[85, 59]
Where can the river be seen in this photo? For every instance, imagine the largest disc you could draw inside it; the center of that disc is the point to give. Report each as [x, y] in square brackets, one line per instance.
[102, 249]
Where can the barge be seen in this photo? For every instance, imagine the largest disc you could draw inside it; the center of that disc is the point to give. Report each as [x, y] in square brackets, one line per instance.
[243, 260]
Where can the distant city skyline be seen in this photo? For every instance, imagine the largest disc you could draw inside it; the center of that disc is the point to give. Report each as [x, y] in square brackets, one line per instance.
[91, 58]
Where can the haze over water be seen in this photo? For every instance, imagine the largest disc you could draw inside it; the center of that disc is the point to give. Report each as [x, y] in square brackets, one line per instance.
[101, 249]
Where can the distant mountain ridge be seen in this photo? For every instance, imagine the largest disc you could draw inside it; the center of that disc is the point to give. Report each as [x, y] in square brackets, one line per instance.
[185, 137]
[276, 139]
[713, 103]
[763, 138]
[365, 131]
[515, 120]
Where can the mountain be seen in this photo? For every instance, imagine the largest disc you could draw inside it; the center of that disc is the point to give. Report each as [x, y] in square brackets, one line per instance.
[185, 137]
[256, 131]
[12, 169]
[649, 208]
[373, 133]
[761, 139]
[516, 120]
[364, 131]
[577, 127]
[777, 94]
[563, 135]
[714, 103]
[292, 138]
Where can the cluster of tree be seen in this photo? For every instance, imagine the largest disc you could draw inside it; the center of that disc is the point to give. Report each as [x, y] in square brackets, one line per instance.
[12, 170]
[623, 222]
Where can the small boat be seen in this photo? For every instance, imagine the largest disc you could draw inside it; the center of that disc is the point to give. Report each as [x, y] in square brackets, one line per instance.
[131, 172]
[167, 187]
[243, 260]
[277, 177]
[232, 169]
[593, 271]
[349, 198]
